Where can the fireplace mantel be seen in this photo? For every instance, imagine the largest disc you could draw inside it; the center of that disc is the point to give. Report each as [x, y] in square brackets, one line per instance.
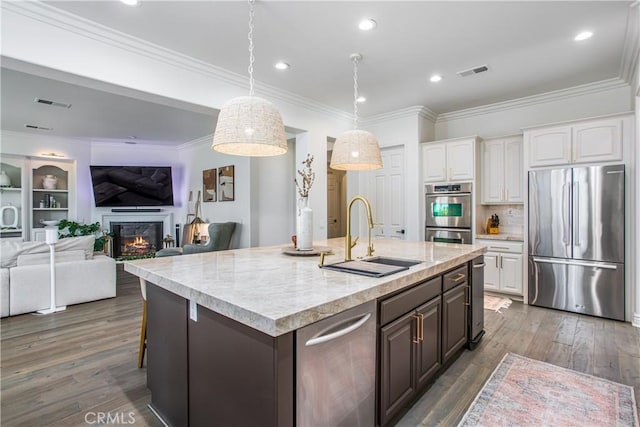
[165, 217]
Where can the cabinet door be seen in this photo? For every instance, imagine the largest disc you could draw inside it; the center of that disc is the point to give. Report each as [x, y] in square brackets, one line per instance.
[428, 355]
[397, 382]
[454, 321]
[460, 163]
[511, 273]
[492, 271]
[434, 159]
[513, 173]
[551, 146]
[597, 141]
[492, 171]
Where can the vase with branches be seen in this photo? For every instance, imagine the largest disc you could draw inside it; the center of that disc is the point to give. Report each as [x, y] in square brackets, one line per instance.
[304, 218]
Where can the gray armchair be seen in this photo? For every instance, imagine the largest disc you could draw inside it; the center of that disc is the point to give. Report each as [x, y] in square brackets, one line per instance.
[220, 234]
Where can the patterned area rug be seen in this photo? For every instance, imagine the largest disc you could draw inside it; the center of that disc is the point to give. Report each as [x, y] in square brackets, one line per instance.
[496, 303]
[526, 392]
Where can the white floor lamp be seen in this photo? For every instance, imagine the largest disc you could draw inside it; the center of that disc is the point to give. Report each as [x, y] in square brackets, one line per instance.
[51, 235]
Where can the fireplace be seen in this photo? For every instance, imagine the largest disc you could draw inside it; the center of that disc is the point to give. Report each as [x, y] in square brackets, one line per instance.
[136, 239]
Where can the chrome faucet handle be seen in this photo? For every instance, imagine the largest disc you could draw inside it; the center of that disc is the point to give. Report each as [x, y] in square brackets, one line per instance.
[355, 241]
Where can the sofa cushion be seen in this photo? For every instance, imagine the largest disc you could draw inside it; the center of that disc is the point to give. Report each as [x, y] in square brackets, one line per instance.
[64, 256]
[10, 250]
[84, 243]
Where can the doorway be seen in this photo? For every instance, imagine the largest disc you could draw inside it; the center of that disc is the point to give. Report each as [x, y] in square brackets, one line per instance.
[336, 197]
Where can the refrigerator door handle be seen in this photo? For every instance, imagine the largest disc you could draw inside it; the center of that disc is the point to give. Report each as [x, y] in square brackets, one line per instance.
[580, 263]
[576, 214]
[566, 230]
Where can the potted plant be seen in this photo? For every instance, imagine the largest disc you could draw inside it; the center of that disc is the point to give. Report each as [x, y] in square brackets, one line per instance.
[67, 228]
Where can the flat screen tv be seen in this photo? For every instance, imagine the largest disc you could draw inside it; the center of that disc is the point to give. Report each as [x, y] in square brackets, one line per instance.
[115, 186]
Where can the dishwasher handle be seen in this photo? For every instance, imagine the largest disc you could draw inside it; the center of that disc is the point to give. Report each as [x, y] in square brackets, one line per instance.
[337, 334]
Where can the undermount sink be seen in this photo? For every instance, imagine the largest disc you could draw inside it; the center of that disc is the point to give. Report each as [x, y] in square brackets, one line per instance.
[393, 261]
[373, 267]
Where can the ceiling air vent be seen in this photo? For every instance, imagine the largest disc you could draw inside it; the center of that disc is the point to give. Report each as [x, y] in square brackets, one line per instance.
[472, 71]
[37, 127]
[52, 103]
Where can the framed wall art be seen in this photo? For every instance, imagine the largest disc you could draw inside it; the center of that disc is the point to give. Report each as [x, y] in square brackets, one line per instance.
[209, 185]
[226, 191]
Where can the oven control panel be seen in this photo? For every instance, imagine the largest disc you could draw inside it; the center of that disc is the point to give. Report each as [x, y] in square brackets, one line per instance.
[448, 188]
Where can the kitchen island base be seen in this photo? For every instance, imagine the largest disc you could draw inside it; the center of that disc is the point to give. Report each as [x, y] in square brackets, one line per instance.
[215, 371]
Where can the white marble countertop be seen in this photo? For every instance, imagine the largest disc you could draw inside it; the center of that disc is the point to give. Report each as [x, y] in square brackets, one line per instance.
[276, 293]
[501, 236]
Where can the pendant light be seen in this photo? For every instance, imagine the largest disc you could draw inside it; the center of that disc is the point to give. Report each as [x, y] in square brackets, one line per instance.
[356, 149]
[249, 125]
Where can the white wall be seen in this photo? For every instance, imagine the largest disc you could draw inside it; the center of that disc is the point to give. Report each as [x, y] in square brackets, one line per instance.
[101, 54]
[509, 118]
[399, 130]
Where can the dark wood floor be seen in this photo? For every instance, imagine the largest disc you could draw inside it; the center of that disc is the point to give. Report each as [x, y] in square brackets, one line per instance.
[63, 369]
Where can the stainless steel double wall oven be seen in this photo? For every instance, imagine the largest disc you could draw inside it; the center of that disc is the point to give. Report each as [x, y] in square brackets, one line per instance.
[448, 213]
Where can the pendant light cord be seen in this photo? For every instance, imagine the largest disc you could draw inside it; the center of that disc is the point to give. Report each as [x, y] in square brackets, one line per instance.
[251, 57]
[355, 93]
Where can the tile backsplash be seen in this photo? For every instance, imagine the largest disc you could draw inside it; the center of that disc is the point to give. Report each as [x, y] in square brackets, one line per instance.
[511, 218]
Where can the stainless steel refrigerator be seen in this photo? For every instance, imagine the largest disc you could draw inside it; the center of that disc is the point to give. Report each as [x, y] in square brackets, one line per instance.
[576, 240]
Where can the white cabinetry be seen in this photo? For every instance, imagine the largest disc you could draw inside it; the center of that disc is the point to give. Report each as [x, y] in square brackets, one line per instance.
[588, 141]
[13, 203]
[503, 266]
[502, 173]
[449, 161]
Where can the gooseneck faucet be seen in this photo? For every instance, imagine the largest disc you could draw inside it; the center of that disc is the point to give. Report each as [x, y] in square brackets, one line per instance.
[347, 240]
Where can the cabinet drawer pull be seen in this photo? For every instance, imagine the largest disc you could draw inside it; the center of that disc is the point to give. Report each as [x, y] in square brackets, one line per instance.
[479, 265]
[497, 261]
[418, 328]
[459, 277]
[467, 295]
[501, 262]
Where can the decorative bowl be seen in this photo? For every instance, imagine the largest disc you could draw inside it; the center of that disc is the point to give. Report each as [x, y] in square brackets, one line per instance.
[49, 223]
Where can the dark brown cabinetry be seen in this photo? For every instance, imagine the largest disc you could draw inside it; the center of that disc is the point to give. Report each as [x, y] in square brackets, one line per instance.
[455, 303]
[421, 329]
[409, 345]
[215, 369]
[167, 368]
[454, 323]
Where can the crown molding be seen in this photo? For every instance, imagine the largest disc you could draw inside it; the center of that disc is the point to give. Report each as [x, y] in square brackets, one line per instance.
[66, 21]
[414, 111]
[207, 139]
[555, 95]
[631, 49]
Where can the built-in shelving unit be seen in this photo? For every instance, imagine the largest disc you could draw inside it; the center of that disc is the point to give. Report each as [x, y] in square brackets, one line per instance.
[12, 198]
[50, 193]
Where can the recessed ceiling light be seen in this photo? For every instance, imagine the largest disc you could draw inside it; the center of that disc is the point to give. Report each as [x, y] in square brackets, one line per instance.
[130, 142]
[131, 2]
[132, 137]
[367, 24]
[282, 65]
[435, 78]
[583, 36]
[361, 99]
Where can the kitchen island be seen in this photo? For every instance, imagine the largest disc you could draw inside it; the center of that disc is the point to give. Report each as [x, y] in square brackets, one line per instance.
[222, 325]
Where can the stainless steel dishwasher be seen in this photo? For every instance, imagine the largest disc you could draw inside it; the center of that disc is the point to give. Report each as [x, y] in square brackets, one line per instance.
[335, 370]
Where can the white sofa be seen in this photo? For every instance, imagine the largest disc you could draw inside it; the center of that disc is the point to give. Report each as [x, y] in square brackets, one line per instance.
[25, 280]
